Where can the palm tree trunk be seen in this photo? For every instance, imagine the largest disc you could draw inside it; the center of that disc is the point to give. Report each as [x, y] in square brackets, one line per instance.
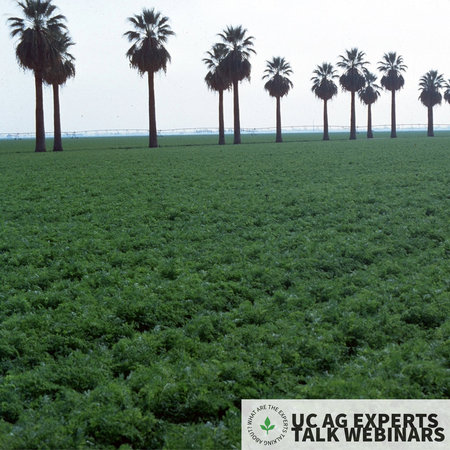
[325, 121]
[279, 138]
[40, 128]
[369, 122]
[57, 141]
[353, 118]
[153, 137]
[393, 119]
[237, 121]
[430, 122]
[221, 120]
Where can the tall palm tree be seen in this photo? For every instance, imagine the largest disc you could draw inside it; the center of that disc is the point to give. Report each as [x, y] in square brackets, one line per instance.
[278, 85]
[148, 55]
[57, 75]
[429, 85]
[216, 81]
[236, 66]
[37, 49]
[324, 88]
[369, 95]
[352, 80]
[392, 67]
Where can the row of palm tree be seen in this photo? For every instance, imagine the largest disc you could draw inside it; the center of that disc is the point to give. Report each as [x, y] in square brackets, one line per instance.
[43, 48]
[44, 44]
[229, 64]
[356, 79]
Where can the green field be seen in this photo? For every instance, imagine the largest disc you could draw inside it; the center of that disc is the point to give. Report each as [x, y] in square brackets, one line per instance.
[145, 292]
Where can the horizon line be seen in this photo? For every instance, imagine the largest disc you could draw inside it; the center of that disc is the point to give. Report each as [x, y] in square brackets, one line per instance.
[211, 131]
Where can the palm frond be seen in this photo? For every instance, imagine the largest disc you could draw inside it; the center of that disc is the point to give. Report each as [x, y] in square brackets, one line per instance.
[215, 78]
[236, 65]
[38, 32]
[150, 33]
[63, 68]
[278, 70]
[430, 85]
[353, 78]
[447, 91]
[323, 85]
[370, 93]
[392, 67]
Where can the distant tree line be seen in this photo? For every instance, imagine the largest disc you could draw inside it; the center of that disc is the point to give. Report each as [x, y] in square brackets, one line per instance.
[44, 43]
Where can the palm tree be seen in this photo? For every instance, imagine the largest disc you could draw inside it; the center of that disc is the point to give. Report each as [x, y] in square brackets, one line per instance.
[216, 81]
[392, 67]
[430, 96]
[148, 55]
[36, 49]
[278, 70]
[236, 66]
[447, 91]
[324, 88]
[368, 95]
[352, 80]
[57, 75]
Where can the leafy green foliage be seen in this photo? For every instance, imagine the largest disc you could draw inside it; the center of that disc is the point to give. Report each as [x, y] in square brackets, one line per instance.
[144, 293]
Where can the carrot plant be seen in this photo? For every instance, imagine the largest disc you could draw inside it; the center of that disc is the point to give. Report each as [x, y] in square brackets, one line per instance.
[145, 292]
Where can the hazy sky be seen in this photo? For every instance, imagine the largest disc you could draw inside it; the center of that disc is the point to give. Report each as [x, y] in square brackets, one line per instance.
[108, 94]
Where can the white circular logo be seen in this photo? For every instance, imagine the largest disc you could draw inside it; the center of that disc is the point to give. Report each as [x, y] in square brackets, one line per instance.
[267, 424]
